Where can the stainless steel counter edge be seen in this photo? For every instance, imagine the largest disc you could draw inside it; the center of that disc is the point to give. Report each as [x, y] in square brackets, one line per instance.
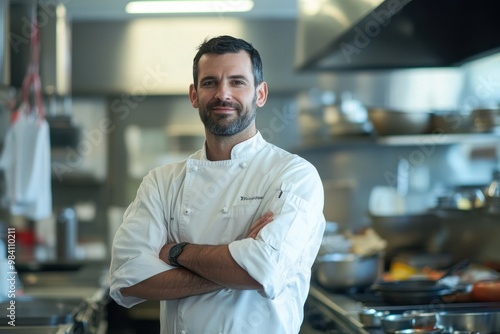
[337, 307]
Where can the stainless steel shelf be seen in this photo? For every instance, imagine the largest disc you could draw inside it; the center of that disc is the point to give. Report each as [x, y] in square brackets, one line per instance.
[402, 140]
[440, 139]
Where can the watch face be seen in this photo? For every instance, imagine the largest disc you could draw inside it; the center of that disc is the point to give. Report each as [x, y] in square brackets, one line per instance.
[176, 250]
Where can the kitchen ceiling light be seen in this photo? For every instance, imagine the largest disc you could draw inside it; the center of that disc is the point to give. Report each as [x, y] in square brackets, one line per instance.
[153, 7]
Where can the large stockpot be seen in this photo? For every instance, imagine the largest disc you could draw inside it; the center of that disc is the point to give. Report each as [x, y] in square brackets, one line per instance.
[343, 271]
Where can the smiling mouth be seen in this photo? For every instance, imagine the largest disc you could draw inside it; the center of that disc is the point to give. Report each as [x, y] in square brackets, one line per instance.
[223, 104]
[223, 108]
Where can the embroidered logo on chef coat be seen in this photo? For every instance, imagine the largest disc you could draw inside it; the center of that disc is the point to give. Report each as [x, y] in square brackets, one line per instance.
[253, 198]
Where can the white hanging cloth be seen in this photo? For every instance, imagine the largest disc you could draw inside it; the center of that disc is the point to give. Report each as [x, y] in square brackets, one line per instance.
[26, 158]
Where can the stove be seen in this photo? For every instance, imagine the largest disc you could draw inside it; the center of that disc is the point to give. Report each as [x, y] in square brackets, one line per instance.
[338, 312]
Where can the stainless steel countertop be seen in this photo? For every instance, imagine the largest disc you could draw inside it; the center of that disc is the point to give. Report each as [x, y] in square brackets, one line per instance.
[48, 287]
[340, 308]
[88, 281]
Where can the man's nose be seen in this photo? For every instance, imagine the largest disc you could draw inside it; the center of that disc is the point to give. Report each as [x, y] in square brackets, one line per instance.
[223, 92]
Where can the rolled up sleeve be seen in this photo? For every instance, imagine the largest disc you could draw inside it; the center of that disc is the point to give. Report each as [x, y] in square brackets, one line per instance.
[137, 243]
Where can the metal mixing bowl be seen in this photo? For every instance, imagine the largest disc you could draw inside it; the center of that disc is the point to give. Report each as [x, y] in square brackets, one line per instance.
[392, 122]
[340, 271]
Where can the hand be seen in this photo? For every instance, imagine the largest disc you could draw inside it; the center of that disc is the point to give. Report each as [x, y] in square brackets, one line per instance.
[164, 252]
[259, 224]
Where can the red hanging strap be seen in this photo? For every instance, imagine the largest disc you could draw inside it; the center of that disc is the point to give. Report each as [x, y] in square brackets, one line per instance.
[32, 77]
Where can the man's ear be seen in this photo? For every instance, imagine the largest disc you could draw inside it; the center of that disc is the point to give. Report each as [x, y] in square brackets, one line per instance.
[193, 96]
[261, 94]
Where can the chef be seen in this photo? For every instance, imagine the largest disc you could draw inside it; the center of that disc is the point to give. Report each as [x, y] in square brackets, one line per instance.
[225, 239]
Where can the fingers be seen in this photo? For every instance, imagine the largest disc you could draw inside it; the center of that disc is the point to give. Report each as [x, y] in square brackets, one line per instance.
[259, 224]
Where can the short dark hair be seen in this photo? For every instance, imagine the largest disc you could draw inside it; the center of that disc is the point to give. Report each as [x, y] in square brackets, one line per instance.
[228, 44]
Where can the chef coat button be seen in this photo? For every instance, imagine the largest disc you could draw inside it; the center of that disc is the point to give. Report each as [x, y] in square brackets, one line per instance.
[225, 210]
[183, 332]
[243, 165]
[194, 168]
[187, 211]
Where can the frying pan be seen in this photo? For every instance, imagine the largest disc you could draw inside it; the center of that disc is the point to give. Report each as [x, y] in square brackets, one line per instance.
[412, 292]
[417, 291]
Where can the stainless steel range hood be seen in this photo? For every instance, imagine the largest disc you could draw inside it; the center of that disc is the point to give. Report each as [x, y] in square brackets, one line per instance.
[342, 35]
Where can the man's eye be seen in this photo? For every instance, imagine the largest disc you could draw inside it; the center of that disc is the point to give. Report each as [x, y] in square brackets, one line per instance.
[208, 83]
[238, 82]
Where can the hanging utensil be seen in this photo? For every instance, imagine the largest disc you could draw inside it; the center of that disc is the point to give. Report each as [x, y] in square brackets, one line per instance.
[452, 270]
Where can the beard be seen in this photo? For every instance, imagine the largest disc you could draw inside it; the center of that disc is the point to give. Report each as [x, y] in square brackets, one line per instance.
[223, 125]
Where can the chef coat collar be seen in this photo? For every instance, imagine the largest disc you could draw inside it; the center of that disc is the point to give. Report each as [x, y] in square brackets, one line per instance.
[243, 150]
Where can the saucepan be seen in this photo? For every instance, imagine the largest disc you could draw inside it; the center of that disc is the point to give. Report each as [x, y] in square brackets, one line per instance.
[418, 291]
[342, 271]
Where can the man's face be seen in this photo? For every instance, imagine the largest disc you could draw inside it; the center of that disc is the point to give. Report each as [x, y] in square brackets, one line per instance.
[226, 97]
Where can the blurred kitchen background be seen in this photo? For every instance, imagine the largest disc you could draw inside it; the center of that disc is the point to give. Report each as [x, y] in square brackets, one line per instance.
[118, 84]
[395, 103]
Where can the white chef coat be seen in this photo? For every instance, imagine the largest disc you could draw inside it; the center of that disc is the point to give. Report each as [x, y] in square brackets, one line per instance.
[215, 202]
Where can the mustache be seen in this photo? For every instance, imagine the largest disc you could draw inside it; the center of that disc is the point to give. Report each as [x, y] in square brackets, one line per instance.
[224, 104]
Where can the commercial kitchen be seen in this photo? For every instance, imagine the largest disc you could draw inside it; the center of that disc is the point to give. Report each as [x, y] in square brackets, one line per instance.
[395, 102]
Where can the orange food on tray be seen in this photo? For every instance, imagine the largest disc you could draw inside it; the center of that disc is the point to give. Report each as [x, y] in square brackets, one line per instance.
[432, 274]
[400, 270]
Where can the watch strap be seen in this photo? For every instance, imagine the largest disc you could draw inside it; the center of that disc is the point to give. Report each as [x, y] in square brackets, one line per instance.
[173, 258]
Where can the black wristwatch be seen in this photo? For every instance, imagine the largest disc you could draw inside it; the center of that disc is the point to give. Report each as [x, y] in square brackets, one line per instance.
[175, 251]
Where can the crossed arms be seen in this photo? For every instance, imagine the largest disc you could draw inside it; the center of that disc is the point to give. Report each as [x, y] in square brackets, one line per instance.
[203, 269]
